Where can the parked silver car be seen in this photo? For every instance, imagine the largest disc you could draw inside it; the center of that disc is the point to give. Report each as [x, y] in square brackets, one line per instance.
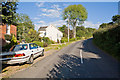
[22, 53]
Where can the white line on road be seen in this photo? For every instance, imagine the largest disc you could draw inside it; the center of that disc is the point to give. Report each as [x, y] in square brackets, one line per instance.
[81, 55]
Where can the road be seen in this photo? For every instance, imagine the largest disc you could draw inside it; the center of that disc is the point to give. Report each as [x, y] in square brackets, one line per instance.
[78, 60]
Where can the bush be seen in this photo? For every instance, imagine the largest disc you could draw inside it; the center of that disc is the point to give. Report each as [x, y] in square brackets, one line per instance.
[47, 40]
[52, 42]
[39, 43]
[72, 39]
[8, 37]
[108, 40]
[64, 40]
[12, 43]
[45, 44]
[78, 38]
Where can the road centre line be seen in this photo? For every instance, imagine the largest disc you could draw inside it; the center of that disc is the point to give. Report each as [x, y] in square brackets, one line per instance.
[81, 55]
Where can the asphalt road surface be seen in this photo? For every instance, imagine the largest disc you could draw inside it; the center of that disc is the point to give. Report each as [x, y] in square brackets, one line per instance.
[78, 60]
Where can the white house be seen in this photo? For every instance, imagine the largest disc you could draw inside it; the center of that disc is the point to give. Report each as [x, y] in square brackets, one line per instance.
[51, 32]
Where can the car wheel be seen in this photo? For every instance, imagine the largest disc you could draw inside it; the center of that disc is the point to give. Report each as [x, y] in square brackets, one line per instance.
[42, 53]
[31, 60]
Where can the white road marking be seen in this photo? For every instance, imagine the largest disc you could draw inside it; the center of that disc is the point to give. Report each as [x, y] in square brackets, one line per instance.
[81, 55]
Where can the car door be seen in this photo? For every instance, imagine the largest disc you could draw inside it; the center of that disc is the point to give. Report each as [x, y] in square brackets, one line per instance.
[33, 49]
[37, 50]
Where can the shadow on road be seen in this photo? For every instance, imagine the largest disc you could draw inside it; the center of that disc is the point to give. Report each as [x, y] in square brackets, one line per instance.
[70, 66]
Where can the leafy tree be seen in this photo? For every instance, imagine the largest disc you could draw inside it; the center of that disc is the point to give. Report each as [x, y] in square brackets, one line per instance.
[31, 36]
[116, 18]
[24, 24]
[64, 30]
[103, 25]
[76, 14]
[8, 12]
[81, 31]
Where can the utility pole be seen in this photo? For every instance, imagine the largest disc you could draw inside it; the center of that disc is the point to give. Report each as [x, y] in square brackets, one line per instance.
[68, 22]
[68, 27]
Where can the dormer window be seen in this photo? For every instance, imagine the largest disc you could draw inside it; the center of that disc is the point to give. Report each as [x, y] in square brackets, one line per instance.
[7, 29]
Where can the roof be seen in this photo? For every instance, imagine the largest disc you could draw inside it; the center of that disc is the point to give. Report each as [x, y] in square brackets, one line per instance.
[43, 28]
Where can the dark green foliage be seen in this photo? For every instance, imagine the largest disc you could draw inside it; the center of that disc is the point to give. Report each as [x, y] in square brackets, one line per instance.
[39, 43]
[64, 30]
[104, 25]
[109, 40]
[8, 12]
[47, 41]
[116, 18]
[64, 39]
[8, 37]
[81, 31]
[13, 42]
[72, 39]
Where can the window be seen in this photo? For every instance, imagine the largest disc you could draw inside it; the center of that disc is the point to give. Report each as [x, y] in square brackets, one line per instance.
[20, 47]
[33, 46]
[45, 34]
[7, 29]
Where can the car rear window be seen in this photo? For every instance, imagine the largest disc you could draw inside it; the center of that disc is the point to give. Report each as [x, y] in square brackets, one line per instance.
[20, 47]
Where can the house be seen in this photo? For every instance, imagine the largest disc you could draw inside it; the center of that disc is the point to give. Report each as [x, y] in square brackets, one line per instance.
[6, 29]
[51, 32]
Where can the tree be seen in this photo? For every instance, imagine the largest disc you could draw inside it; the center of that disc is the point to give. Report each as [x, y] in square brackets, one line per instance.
[24, 25]
[81, 31]
[103, 25]
[31, 36]
[116, 18]
[64, 30]
[8, 12]
[76, 14]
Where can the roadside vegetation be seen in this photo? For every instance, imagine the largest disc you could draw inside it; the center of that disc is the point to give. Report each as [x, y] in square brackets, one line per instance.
[81, 33]
[107, 37]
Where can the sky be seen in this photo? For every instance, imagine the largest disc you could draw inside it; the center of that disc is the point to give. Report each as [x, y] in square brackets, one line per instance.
[46, 13]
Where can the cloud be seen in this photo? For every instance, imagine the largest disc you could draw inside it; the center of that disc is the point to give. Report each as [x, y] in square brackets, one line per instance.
[91, 25]
[55, 6]
[52, 13]
[40, 4]
[58, 23]
[41, 22]
[36, 18]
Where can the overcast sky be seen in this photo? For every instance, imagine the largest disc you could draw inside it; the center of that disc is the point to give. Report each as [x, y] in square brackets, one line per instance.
[46, 13]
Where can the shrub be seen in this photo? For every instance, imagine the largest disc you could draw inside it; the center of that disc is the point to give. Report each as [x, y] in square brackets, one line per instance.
[108, 40]
[12, 43]
[78, 38]
[45, 44]
[72, 39]
[8, 37]
[47, 40]
[52, 42]
[39, 43]
[58, 41]
[64, 40]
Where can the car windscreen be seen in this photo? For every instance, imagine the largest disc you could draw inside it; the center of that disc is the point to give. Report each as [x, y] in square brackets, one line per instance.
[20, 47]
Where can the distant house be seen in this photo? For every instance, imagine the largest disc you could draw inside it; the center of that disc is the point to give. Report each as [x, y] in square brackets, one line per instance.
[6, 29]
[51, 32]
